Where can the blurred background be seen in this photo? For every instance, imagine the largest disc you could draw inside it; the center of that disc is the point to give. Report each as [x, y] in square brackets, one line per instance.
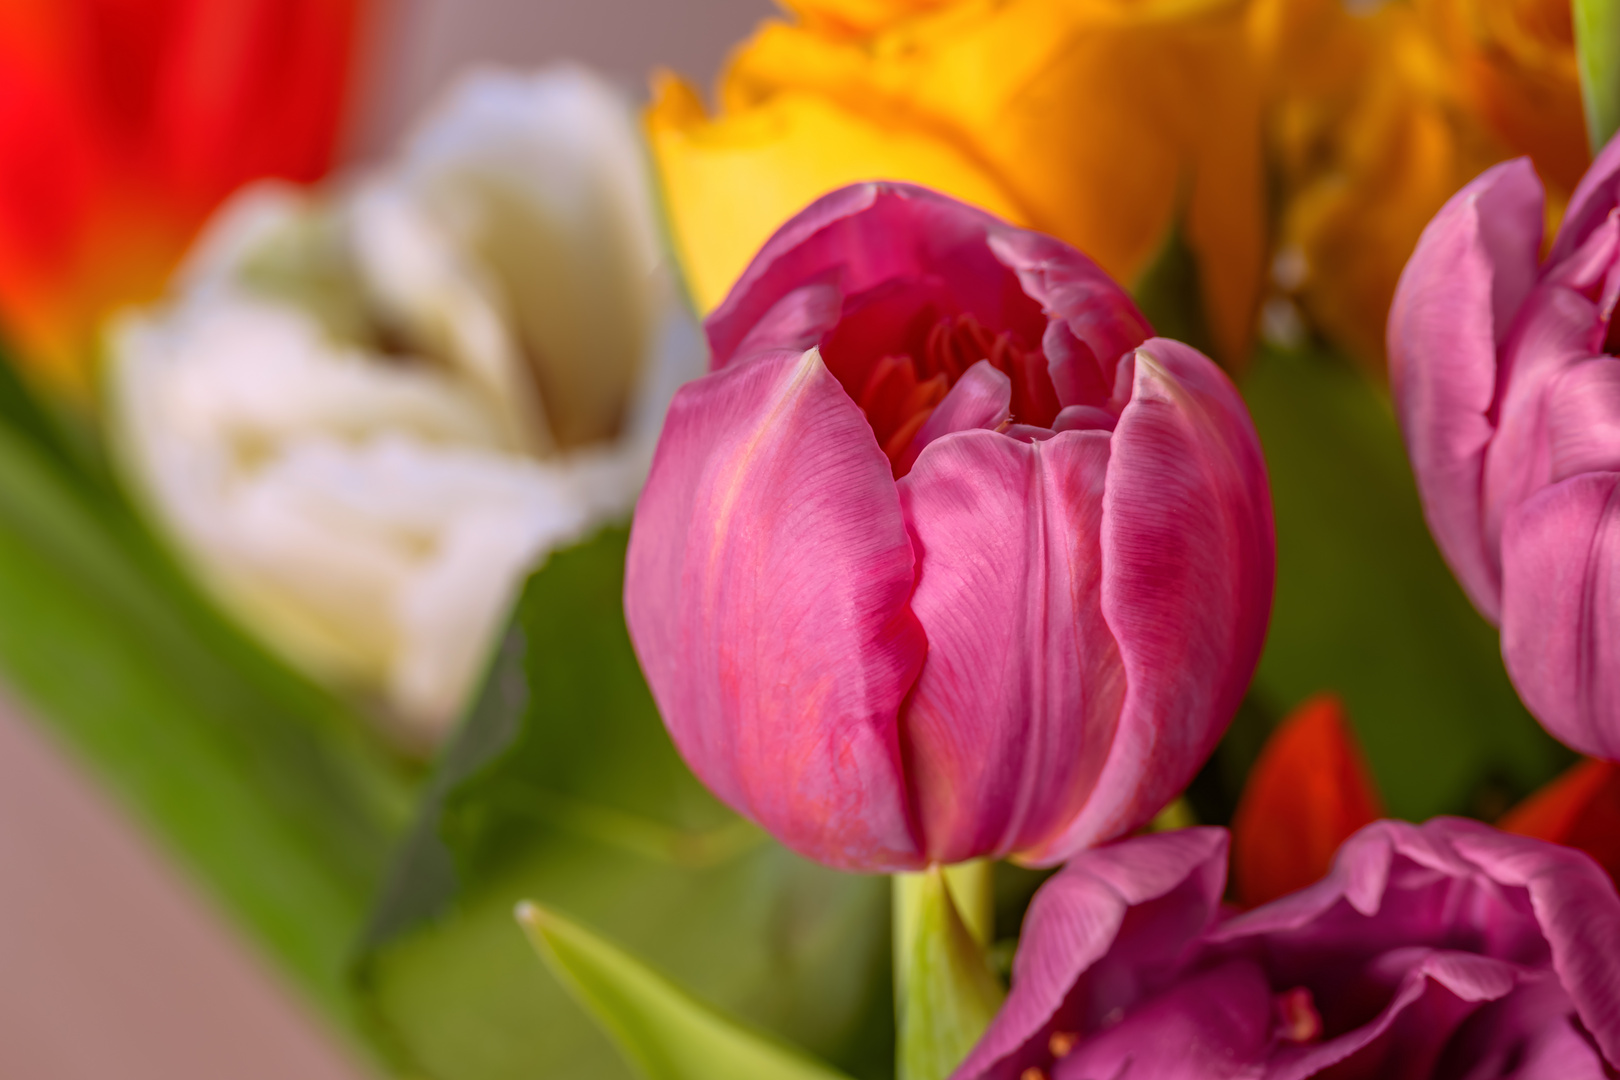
[242, 626]
[111, 962]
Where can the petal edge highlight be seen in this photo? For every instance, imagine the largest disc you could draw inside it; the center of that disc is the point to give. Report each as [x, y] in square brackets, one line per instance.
[766, 591]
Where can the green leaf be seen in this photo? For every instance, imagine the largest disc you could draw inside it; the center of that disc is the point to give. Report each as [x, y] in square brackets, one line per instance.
[1597, 55]
[564, 788]
[1366, 606]
[668, 1033]
[265, 787]
[1169, 294]
[945, 991]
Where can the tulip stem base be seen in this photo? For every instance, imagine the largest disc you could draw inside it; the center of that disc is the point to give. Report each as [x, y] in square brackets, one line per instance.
[945, 992]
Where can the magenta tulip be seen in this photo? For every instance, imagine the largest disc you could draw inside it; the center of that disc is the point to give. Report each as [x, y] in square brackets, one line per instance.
[1508, 389]
[944, 559]
[1446, 950]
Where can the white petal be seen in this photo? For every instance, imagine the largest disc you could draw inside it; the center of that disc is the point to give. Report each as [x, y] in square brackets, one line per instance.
[371, 514]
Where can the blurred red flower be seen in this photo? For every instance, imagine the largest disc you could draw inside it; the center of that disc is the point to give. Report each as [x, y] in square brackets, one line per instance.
[1580, 809]
[123, 123]
[1311, 790]
[1308, 793]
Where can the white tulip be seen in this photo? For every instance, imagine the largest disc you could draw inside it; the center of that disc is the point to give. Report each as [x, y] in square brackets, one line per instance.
[367, 415]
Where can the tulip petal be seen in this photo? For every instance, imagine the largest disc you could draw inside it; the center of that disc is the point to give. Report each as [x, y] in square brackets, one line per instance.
[1580, 809]
[1084, 418]
[1402, 884]
[1308, 793]
[1456, 300]
[539, 181]
[796, 322]
[1532, 1028]
[1592, 201]
[766, 593]
[982, 398]
[1012, 713]
[1551, 343]
[1094, 323]
[1169, 883]
[876, 235]
[1187, 570]
[1561, 593]
[1215, 1025]
[1437, 991]
[1583, 419]
[1575, 906]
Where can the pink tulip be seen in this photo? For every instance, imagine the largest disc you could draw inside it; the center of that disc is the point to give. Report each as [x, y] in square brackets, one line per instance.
[1446, 950]
[1508, 389]
[944, 559]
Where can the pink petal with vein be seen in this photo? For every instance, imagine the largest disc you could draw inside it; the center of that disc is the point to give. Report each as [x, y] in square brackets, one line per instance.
[1455, 303]
[766, 593]
[982, 398]
[1076, 930]
[1560, 606]
[1188, 564]
[1016, 704]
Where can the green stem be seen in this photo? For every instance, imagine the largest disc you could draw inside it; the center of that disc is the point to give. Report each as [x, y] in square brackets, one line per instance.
[1597, 53]
[945, 993]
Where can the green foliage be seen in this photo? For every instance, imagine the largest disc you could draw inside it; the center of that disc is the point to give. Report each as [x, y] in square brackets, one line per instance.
[266, 788]
[945, 991]
[1597, 54]
[1366, 606]
[1167, 292]
[669, 1034]
[564, 788]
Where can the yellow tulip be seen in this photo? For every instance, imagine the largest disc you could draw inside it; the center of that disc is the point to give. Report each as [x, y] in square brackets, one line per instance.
[857, 16]
[1104, 122]
[1377, 118]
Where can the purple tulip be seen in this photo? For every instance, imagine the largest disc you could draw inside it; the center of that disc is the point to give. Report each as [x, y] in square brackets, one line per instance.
[1440, 950]
[944, 560]
[1508, 389]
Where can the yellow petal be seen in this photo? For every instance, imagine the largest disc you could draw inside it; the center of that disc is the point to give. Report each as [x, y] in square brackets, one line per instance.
[1378, 119]
[730, 183]
[1515, 62]
[1094, 120]
[857, 16]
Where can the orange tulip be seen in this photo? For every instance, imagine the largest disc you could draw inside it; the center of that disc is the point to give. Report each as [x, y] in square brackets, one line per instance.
[123, 123]
[1306, 794]
[1377, 119]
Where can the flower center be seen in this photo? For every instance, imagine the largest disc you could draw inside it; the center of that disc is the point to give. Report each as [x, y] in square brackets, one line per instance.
[902, 390]
[1296, 1015]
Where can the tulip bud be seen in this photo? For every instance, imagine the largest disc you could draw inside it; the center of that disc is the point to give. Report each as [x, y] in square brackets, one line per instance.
[946, 559]
[368, 414]
[1507, 385]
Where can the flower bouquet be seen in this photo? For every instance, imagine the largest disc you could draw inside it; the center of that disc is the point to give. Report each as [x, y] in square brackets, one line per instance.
[1035, 539]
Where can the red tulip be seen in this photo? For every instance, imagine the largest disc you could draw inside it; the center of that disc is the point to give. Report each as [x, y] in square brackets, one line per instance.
[1308, 793]
[944, 559]
[1580, 809]
[123, 123]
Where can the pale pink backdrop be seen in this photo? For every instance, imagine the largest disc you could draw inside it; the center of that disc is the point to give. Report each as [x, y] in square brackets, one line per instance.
[112, 966]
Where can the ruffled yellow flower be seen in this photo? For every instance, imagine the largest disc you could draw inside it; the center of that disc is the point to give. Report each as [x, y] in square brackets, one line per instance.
[1103, 122]
[857, 16]
[1378, 117]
